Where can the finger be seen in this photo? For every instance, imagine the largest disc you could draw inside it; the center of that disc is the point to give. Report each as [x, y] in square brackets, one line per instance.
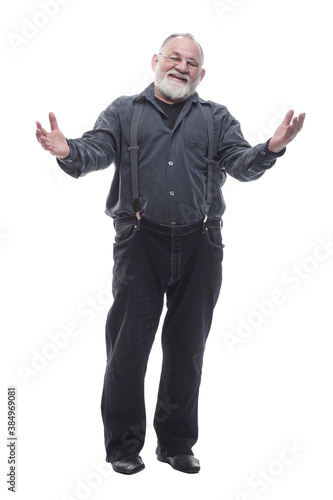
[45, 140]
[288, 134]
[298, 126]
[38, 132]
[292, 129]
[301, 119]
[294, 125]
[43, 144]
[53, 121]
[41, 129]
[288, 117]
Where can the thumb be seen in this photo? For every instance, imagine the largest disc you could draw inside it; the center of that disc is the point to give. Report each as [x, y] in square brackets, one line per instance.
[53, 121]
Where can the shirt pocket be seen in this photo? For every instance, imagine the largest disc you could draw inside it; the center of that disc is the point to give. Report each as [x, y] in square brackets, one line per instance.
[196, 151]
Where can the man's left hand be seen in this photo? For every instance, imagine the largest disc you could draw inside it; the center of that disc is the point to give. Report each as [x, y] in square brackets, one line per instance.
[286, 132]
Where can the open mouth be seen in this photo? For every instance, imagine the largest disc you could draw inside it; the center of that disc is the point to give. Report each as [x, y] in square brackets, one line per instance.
[178, 78]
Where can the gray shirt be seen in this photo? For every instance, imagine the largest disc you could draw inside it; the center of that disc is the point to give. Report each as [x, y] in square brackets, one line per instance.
[172, 158]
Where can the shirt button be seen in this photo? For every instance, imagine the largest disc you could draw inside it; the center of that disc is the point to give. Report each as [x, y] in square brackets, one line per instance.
[173, 223]
[172, 193]
[170, 163]
[263, 153]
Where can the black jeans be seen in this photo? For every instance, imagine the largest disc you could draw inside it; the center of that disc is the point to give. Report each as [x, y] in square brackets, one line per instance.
[151, 261]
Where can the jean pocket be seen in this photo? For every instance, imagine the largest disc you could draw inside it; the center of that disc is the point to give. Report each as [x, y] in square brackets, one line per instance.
[214, 237]
[124, 234]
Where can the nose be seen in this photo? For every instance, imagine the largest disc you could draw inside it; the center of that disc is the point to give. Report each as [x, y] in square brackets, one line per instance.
[182, 66]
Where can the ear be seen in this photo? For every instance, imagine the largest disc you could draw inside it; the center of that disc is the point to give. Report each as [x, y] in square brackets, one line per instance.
[154, 61]
[203, 72]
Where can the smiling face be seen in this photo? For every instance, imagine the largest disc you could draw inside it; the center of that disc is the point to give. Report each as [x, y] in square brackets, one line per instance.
[177, 79]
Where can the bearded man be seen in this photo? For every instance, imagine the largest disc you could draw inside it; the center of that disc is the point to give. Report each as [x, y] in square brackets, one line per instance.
[171, 157]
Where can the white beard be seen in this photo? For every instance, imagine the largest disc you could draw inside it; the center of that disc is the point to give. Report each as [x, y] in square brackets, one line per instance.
[173, 90]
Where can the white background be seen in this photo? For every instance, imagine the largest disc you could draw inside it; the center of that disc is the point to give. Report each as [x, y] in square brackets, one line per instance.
[273, 387]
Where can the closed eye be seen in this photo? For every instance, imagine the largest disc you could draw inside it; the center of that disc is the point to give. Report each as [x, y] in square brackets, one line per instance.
[176, 59]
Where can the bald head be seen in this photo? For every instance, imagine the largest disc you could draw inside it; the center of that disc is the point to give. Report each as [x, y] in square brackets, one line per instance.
[183, 35]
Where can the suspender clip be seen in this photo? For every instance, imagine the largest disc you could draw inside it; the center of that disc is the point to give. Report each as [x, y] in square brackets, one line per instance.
[137, 204]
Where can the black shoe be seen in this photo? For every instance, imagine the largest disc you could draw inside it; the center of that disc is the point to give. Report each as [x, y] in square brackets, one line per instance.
[183, 463]
[128, 465]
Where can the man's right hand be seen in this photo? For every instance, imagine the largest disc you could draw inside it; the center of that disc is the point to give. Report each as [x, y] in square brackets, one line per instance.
[54, 141]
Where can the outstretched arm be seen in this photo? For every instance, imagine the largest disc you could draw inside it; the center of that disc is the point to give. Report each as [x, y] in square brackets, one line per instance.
[54, 141]
[286, 132]
[95, 150]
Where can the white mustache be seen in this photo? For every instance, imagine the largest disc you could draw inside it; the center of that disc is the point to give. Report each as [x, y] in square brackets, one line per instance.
[178, 73]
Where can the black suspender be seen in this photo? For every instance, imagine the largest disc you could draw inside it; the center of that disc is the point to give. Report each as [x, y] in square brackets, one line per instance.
[133, 149]
[210, 160]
